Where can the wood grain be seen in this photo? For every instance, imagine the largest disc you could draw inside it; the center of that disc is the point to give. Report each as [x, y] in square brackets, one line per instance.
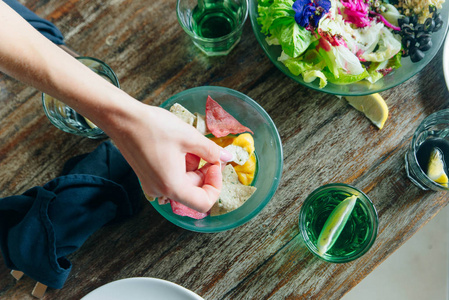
[324, 141]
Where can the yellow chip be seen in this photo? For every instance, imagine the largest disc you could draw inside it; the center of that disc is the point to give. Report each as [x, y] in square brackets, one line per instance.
[247, 171]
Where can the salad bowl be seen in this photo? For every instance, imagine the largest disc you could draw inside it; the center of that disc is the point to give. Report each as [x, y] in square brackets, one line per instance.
[407, 70]
[268, 149]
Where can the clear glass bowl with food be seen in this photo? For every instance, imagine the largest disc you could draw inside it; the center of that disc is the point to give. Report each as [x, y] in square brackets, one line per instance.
[267, 151]
[349, 47]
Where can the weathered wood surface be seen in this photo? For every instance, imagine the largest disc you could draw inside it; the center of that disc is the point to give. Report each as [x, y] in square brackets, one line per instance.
[324, 141]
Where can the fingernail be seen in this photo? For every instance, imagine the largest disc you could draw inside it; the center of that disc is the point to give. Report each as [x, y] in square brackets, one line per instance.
[226, 156]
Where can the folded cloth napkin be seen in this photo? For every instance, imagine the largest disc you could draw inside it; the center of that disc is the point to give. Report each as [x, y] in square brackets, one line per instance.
[43, 225]
[48, 29]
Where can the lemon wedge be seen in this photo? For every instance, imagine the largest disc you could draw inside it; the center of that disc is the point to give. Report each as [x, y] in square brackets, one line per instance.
[89, 122]
[373, 106]
[435, 169]
[335, 224]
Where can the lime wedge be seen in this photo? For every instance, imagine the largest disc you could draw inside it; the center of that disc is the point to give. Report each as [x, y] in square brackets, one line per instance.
[435, 169]
[335, 224]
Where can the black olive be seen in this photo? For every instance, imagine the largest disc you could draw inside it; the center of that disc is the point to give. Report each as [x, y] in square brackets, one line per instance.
[438, 24]
[414, 19]
[404, 20]
[419, 28]
[429, 25]
[408, 42]
[407, 29]
[431, 8]
[416, 55]
[405, 53]
[423, 35]
[425, 44]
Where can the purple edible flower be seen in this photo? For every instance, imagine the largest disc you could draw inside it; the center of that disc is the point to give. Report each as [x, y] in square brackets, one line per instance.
[309, 12]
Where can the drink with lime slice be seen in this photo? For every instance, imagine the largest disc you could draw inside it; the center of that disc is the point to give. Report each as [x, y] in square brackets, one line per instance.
[427, 159]
[338, 222]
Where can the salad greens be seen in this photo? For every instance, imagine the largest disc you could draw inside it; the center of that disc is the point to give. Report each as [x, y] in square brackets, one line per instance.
[337, 41]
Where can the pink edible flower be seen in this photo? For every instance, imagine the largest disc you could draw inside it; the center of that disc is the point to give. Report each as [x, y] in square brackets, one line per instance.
[356, 12]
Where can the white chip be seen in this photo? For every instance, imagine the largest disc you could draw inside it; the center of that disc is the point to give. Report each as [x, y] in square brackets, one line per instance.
[239, 154]
[200, 124]
[233, 194]
[182, 113]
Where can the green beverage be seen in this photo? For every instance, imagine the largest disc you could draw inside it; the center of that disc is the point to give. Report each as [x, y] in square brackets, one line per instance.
[215, 19]
[215, 26]
[358, 223]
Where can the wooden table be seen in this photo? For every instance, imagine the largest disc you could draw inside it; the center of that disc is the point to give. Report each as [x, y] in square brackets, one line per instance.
[324, 140]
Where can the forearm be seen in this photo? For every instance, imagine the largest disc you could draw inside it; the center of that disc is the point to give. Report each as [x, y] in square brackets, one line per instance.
[153, 141]
[34, 60]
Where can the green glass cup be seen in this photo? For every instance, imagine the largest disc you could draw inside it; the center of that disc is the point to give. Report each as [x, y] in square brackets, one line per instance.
[215, 26]
[66, 118]
[359, 232]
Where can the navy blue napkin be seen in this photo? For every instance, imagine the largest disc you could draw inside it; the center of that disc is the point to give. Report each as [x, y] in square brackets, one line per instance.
[43, 225]
[48, 29]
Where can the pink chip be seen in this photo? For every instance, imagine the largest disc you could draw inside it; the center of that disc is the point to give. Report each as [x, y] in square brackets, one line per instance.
[182, 210]
[219, 122]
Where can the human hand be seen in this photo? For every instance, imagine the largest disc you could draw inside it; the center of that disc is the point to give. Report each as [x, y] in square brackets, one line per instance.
[165, 152]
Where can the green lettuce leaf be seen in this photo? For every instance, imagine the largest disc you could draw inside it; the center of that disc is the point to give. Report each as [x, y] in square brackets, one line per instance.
[330, 60]
[311, 75]
[373, 70]
[293, 38]
[343, 78]
[311, 60]
[269, 11]
[277, 19]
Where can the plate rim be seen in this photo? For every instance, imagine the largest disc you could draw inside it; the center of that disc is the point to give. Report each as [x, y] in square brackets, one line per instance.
[142, 279]
[446, 60]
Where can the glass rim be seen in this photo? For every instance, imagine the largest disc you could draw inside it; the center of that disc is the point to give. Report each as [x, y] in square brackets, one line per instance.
[238, 29]
[277, 176]
[96, 132]
[366, 202]
[116, 81]
[414, 149]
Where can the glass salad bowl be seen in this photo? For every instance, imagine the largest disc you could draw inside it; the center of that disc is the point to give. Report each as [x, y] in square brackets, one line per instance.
[363, 87]
[268, 148]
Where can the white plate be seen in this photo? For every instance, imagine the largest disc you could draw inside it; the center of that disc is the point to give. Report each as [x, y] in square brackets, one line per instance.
[141, 288]
[446, 61]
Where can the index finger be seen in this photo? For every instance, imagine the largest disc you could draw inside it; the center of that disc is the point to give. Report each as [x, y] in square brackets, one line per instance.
[205, 148]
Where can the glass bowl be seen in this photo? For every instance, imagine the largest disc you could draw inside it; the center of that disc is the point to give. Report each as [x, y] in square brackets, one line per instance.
[66, 118]
[268, 149]
[363, 87]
